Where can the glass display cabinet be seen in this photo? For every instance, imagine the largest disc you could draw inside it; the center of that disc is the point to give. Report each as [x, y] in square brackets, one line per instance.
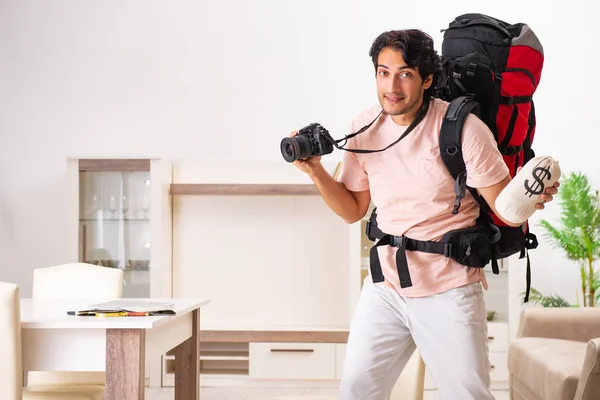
[120, 217]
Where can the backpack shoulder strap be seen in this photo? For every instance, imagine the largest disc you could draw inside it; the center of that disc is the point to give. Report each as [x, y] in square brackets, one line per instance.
[451, 133]
[451, 143]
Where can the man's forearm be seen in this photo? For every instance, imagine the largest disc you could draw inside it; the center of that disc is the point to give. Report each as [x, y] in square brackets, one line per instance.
[337, 197]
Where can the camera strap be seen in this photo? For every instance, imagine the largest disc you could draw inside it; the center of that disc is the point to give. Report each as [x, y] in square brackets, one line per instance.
[420, 116]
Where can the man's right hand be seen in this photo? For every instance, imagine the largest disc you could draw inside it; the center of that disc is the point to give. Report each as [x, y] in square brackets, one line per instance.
[309, 165]
[351, 206]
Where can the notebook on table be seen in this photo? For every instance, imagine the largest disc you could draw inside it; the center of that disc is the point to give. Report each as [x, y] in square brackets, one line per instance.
[128, 308]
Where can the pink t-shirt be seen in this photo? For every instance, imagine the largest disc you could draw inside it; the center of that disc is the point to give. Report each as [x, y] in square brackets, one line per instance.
[414, 193]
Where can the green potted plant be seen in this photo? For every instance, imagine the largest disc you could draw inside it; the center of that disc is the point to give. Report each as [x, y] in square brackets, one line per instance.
[578, 236]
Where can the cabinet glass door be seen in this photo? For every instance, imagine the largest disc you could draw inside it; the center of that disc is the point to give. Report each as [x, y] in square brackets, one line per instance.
[114, 225]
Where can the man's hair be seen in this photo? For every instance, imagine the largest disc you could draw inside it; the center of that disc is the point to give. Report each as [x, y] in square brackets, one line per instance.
[417, 50]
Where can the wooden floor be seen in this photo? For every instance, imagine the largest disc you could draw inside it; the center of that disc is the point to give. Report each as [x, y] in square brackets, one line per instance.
[274, 394]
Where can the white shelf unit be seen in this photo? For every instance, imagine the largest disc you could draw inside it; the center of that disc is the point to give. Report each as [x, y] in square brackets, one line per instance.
[267, 357]
[320, 368]
[258, 239]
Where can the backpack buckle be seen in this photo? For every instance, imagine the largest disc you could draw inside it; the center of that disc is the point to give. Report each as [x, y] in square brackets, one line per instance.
[447, 250]
[507, 100]
[460, 188]
[368, 231]
[510, 150]
[398, 241]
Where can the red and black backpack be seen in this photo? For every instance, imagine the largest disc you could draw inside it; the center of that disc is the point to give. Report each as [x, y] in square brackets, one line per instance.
[489, 68]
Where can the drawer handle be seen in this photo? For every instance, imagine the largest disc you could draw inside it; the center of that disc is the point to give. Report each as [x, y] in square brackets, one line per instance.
[492, 366]
[292, 350]
[490, 338]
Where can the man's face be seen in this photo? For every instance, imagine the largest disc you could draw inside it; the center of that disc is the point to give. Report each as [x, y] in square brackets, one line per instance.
[399, 87]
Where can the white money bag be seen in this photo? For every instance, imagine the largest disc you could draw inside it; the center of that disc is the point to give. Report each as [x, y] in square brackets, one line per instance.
[516, 203]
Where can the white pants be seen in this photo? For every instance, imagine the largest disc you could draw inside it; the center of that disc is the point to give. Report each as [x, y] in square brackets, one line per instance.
[449, 328]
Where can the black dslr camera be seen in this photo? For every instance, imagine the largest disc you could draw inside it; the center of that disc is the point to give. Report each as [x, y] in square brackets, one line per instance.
[311, 141]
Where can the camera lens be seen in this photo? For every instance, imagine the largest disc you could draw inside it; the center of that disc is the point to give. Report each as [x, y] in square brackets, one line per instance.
[295, 148]
[289, 150]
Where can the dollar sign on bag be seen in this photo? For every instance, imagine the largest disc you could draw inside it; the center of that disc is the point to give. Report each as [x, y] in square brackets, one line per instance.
[537, 187]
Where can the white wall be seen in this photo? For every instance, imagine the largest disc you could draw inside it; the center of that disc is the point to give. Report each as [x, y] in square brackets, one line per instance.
[227, 80]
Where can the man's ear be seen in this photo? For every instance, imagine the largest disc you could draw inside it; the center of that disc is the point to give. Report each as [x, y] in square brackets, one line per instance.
[428, 82]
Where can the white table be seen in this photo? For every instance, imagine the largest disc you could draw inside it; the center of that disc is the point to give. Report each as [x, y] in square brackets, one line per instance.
[55, 341]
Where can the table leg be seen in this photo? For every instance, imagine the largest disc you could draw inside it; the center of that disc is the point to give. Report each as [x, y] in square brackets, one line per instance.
[125, 364]
[186, 364]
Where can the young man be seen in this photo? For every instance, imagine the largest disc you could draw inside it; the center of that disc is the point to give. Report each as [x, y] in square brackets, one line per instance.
[443, 312]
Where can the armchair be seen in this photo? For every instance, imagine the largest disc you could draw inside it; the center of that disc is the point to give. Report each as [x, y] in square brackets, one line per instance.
[556, 355]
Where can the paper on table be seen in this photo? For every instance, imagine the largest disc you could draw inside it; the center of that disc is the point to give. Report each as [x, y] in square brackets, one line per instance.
[132, 305]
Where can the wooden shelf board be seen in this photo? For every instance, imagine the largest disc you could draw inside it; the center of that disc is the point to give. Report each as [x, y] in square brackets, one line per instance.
[114, 219]
[118, 165]
[221, 372]
[224, 371]
[215, 355]
[274, 336]
[243, 189]
[223, 358]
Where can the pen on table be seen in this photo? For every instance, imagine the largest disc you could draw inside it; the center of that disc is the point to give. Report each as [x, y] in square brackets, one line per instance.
[108, 314]
[82, 313]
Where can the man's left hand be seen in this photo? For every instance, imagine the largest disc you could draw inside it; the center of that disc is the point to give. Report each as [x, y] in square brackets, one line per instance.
[548, 194]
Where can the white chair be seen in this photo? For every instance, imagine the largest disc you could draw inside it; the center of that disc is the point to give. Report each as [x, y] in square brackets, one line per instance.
[75, 280]
[11, 368]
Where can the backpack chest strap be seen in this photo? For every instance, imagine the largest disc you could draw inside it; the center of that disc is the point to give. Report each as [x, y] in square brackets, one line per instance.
[468, 246]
